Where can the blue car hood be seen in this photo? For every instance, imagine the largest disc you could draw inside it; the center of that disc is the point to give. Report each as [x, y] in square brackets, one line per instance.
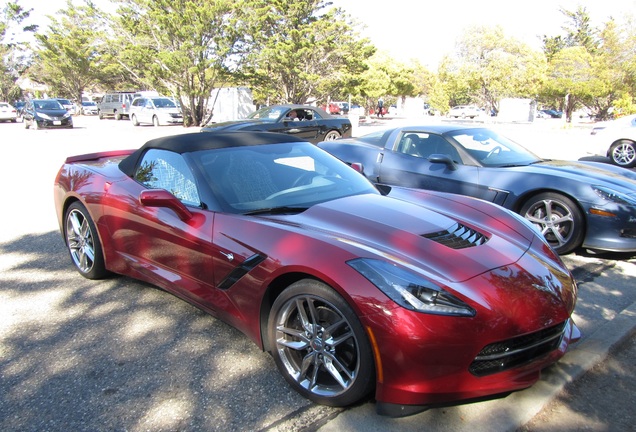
[587, 172]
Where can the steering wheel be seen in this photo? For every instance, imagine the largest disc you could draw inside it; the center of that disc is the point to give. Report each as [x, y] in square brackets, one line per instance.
[493, 152]
[304, 179]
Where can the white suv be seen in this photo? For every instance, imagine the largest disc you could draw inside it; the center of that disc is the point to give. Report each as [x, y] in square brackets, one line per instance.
[155, 110]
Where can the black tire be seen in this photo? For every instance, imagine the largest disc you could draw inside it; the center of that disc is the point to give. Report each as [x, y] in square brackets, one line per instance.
[623, 153]
[100, 115]
[83, 242]
[117, 116]
[558, 218]
[302, 333]
[155, 121]
[332, 135]
[133, 118]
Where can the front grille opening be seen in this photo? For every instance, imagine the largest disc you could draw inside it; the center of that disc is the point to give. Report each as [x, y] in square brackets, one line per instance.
[501, 356]
[458, 237]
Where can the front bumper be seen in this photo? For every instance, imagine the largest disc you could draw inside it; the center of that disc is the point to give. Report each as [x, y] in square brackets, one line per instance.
[54, 124]
[424, 360]
[611, 228]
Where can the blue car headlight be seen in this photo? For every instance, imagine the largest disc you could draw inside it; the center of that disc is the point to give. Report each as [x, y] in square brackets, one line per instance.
[410, 290]
[614, 196]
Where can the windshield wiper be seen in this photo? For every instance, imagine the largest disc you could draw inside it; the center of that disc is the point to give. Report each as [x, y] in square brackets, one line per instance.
[277, 210]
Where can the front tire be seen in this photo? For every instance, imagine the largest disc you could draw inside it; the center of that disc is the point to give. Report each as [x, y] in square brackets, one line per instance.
[155, 121]
[133, 118]
[332, 136]
[558, 218]
[623, 153]
[83, 243]
[319, 345]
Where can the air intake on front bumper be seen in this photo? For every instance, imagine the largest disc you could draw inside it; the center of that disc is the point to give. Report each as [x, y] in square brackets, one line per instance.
[501, 356]
[458, 237]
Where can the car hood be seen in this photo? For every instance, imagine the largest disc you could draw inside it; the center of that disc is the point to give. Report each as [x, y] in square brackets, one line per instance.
[233, 124]
[52, 112]
[383, 227]
[592, 173]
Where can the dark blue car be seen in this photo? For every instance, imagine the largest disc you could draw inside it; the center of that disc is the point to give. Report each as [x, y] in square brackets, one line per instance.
[574, 204]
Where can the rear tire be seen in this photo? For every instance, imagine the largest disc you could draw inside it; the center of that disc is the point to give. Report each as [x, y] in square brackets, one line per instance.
[83, 242]
[332, 135]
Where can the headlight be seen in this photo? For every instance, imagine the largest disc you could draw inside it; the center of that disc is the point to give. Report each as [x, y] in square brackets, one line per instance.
[611, 195]
[44, 116]
[409, 290]
[68, 114]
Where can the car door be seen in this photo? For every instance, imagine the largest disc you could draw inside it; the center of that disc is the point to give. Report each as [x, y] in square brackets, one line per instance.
[157, 241]
[304, 127]
[414, 161]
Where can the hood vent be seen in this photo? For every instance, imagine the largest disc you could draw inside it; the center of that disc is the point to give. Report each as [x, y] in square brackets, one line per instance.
[458, 237]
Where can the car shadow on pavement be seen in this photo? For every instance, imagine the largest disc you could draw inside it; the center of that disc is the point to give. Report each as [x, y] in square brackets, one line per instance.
[118, 354]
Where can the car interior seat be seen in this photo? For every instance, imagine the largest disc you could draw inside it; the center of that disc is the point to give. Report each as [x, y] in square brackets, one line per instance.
[247, 180]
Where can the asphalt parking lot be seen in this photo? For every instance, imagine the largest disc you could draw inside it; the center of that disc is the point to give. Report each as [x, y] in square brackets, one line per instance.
[122, 355]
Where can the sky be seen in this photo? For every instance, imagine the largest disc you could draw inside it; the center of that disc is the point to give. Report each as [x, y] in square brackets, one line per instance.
[428, 29]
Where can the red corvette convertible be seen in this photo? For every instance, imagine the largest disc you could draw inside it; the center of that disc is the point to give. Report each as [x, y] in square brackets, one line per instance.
[416, 297]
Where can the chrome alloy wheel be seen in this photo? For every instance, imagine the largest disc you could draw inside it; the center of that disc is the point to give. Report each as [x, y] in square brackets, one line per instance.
[79, 238]
[317, 346]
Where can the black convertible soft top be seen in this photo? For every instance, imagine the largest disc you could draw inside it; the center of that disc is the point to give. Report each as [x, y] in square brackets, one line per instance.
[190, 142]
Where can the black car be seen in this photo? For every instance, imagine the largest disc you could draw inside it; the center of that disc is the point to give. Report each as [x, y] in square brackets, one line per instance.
[45, 114]
[302, 121]
[574, 204]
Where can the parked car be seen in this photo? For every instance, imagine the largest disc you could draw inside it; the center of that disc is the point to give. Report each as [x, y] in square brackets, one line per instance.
[463, 111]
[342, 108]
[549, 113]
[574, 204]
[89, 108]
[616, 139]
[19, 106]
[310, 123]
[156, 110]
[67, 104]
[418, 297]
[115, 104]
[8, 112]
[46, 114]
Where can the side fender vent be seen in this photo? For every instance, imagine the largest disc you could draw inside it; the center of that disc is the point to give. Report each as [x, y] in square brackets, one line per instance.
[458, 237]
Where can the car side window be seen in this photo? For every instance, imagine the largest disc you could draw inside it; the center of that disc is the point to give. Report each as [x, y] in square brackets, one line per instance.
[424, 145]
[162, 169]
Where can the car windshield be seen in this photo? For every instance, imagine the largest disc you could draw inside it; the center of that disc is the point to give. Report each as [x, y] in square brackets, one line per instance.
[164, 103]
[279, 178]
[269, 113]
[64, 101]
[492, 149]
[48, 105]
[89, 104]
[377, 138]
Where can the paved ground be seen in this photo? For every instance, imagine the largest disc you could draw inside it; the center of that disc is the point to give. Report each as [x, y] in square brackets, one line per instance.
[120, 355]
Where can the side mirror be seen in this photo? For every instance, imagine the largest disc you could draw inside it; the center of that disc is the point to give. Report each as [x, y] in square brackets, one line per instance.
[163, 198]
[444, 159]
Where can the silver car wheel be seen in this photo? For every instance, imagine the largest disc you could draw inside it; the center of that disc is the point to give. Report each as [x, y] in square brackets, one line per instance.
[319, 345]
[623, 154]
[558, 218]
[79, 238]
[332, 135]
